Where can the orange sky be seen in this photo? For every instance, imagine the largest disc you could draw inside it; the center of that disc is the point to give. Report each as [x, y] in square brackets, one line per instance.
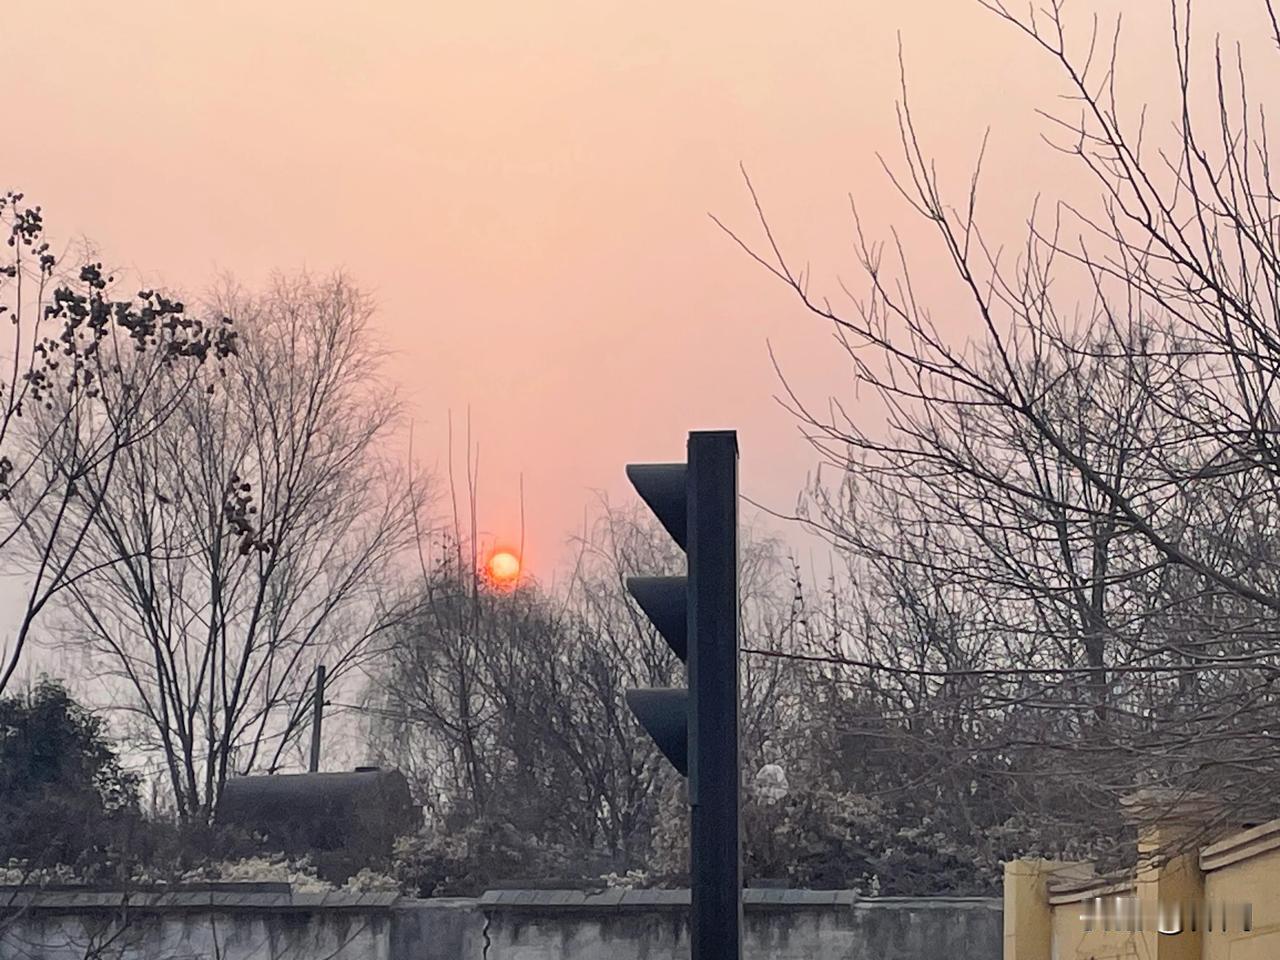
[524, 187]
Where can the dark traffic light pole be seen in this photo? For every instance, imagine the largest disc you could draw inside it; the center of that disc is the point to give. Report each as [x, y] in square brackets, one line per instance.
[697, 728]
[714, 770]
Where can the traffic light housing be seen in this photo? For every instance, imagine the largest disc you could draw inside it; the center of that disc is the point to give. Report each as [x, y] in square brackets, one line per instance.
[696, 728]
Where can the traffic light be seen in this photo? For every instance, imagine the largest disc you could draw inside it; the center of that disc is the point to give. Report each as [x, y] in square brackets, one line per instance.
[697, 728]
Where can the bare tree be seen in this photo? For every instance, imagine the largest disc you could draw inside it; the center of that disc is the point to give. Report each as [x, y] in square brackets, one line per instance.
[87, 376]
[249, 538]
[508, 706]
[1073, 515]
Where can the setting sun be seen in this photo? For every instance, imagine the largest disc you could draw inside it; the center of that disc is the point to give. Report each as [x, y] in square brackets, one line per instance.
[504, 567]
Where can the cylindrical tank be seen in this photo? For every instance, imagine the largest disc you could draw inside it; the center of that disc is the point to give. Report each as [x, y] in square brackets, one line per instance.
[360, 812]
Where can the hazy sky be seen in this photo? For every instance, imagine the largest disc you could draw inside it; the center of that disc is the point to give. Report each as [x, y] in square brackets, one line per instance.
[524, 187]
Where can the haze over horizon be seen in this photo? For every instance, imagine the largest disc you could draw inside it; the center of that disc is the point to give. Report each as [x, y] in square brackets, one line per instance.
[525, 189]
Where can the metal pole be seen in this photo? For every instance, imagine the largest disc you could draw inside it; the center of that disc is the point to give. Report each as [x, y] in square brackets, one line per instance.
[714, 767]
[317, 717]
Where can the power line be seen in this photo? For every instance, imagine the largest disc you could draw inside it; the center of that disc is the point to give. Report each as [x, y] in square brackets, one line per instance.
[375, 711]
[1004, 671]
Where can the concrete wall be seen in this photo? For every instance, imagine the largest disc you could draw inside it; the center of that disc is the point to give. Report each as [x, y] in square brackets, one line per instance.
[265, 925]
[206, 936]
[506, 925]
[779, 925]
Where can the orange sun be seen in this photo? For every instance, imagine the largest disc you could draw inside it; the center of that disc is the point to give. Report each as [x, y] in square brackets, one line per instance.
[504, 567]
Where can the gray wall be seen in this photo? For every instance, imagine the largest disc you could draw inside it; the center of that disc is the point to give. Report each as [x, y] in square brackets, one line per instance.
[141, 925]
[505, 925]
[779, 925]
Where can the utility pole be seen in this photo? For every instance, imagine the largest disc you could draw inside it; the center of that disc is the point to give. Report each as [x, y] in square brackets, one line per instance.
[317, 718]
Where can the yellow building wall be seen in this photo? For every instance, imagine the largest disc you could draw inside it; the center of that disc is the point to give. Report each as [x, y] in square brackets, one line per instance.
[1176, 885]
[1072, 942]
[1254, 881]
[1026, 910]
[1176, 882]
[1038, 930]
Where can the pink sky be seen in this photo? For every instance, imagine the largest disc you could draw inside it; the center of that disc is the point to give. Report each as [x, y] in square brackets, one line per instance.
[524, 188]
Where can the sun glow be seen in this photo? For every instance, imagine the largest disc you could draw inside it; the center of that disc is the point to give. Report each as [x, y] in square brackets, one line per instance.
[504, 567]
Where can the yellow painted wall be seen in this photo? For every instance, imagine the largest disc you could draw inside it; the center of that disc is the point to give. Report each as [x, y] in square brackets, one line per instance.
[1026, 910]
[1177, 882]
[1034, 930]
[1072, 942]
[1255, 881]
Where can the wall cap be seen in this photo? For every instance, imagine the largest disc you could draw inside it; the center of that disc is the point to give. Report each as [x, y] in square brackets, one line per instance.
[70, 900]
[1076, 882]
[753, 899]
[76, 899]
[1241, 846]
